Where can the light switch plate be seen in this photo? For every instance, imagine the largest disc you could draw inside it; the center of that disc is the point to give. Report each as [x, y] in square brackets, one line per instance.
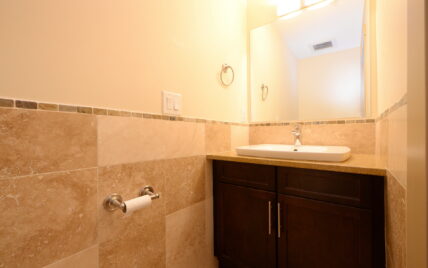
[171, 103]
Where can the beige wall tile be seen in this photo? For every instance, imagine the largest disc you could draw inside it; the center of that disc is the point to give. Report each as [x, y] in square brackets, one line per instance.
[209, 215]
[47, 217]
[209, 179]
[391, 146]
[359, 137]
[128, 140]
[136, 240]
[35, 142]
[127, 180]
[186, 244]
[198, 257]
[137, 246]
[185, 231]
[87, 258]
[239, 136]
[209, 231]
[217, 137]
[397, 144]
[382, 139]
[271, 134]
[395, 220]
[209, 206]
[181, 183]
[184, 182]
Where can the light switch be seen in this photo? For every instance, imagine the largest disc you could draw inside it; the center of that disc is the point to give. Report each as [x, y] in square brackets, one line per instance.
[171, 103]
[177, 104]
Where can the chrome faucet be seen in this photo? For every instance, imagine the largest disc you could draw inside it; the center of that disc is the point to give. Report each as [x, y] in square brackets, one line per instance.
[297, 133]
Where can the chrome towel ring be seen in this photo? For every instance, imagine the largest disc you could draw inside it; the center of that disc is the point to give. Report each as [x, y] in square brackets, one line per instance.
[224, 69]
[265, 92]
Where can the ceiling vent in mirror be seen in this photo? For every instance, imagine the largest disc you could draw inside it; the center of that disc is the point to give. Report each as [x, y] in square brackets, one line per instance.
[323, 45]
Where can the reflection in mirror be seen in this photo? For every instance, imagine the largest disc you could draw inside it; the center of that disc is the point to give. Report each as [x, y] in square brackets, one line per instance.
[312, 64]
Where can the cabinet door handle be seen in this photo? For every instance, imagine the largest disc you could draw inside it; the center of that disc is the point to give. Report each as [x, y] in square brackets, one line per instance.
[279, 220]
[270, 217]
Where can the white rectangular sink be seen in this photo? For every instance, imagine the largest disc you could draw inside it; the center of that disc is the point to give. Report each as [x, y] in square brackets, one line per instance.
[302, 152]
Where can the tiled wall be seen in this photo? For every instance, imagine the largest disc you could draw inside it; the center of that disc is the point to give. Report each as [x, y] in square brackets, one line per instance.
[391, 134]
[57, 167]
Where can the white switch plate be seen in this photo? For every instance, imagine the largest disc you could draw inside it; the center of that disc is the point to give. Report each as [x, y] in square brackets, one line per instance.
[171, 103]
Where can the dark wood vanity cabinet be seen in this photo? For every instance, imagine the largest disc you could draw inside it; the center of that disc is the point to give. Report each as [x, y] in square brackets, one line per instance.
[266, 216]
[242, 226]
[323, 235]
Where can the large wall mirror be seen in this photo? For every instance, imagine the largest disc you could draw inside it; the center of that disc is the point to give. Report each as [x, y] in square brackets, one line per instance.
[311, 65]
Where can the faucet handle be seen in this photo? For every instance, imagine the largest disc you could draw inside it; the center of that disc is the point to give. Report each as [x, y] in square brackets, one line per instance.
[296, 133]
[296, 130]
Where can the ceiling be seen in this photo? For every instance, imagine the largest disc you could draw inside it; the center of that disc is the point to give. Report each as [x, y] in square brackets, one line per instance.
[340, 22]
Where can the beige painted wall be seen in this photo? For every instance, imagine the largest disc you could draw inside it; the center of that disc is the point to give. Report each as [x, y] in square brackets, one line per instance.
[391, 22]
[320, 87]
[261, 12]
[122, 54]
[274, 65]
[370, 59]
[329, 85]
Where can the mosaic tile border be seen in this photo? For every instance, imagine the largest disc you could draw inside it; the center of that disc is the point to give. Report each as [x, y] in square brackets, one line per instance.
[402, 102]
[324, 122]
[32, 105]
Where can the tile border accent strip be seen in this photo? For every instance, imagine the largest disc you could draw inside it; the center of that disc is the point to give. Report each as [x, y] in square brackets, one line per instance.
[32, 105]
[323, 122]
[402, 102]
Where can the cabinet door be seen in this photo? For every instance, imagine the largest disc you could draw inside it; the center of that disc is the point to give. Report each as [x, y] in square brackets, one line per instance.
[245, 235]
[323, 235]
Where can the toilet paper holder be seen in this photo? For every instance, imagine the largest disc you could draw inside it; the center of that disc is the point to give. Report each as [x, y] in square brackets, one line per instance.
[115, 201]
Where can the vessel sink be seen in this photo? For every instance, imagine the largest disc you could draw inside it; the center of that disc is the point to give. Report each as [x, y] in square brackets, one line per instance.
[301, 152]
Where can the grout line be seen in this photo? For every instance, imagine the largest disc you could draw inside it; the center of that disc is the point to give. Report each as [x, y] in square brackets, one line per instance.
[46, 173]
[97, 237]
[151, 160]
[73, 255]
[95, 167]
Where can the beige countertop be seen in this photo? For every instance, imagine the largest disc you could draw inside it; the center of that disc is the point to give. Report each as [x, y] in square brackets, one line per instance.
[358, 163]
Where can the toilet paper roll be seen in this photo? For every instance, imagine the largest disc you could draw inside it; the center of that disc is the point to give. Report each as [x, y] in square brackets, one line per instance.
[137, 203]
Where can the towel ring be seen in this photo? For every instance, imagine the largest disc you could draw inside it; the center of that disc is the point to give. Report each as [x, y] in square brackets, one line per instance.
[264, 89]
[224, 70]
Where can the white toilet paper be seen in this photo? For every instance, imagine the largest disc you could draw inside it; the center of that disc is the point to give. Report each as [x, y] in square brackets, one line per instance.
[137, 203]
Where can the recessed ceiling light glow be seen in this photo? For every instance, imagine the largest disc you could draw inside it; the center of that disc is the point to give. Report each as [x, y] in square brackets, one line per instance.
[273, 2]
[320, 5]
[287, 9]
[312, 2]
[288, 6]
